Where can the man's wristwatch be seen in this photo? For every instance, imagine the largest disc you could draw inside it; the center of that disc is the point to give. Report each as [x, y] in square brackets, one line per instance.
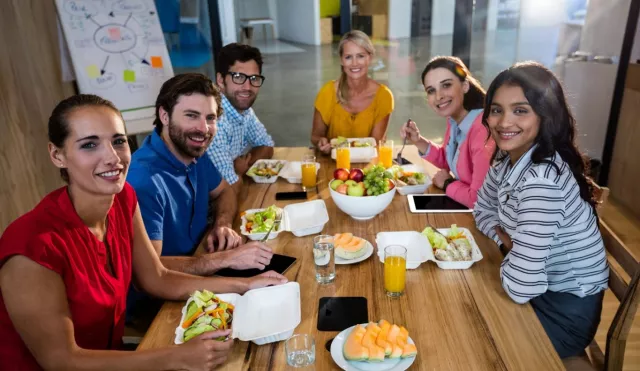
[447, 182]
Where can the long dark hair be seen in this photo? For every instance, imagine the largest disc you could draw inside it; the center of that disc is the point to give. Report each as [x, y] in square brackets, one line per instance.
[557, 131]
[58, 127]
[474, 98]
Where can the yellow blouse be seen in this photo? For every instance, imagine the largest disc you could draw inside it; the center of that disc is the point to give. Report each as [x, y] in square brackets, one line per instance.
[344, 124]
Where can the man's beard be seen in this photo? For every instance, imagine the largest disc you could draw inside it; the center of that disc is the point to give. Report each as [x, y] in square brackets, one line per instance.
[180, 140]
[237, 104]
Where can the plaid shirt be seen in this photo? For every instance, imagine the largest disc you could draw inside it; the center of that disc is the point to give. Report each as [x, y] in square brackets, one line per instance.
[237, 134]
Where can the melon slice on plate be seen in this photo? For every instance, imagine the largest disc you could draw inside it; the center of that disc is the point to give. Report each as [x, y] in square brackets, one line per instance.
[375, 341]
[353, 349]
[349, 247]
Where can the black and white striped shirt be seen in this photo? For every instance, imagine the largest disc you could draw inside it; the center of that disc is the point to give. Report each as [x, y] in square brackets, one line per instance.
[557, 245]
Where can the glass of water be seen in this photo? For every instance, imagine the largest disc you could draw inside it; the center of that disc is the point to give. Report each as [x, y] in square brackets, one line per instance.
[324, 259]
[300, 350]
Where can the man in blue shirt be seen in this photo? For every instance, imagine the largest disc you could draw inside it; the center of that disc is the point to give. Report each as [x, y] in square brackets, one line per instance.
[241, 139]
[174, 185]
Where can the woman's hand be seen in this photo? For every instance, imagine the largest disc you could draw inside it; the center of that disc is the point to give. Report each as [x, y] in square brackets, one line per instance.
[324, 146]
[204, 352]
[504, 238]
[410, 130]
[440, 177]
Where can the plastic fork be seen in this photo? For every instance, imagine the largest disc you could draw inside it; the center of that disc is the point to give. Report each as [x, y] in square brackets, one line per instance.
[404, 143]
[275, 223]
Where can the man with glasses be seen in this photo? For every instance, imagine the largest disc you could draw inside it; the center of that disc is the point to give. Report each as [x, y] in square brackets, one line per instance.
[241, 139]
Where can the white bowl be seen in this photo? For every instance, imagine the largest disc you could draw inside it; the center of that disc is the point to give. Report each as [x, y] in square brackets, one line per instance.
[362, 208]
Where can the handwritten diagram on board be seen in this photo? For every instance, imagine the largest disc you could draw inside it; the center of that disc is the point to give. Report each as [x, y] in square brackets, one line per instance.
[118, 50]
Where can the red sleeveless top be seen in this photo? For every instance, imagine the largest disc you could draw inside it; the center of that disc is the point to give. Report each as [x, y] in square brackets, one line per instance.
[54, 236]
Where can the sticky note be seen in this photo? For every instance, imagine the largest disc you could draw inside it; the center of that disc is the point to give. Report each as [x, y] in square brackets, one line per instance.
[156, 62]
[92, 71]
[114, 33]
[129, 76]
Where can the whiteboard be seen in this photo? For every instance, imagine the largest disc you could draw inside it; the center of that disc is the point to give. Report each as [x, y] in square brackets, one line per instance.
[118, 51]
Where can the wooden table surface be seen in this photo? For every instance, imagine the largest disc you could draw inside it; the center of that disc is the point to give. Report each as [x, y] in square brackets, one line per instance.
[459, 319]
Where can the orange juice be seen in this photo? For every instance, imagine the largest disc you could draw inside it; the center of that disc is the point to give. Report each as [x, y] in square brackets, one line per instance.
[385, 156]
[309, 175]
[395, 268]
[343, 158]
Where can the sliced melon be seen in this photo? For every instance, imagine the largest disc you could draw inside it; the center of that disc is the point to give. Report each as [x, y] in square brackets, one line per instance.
[341, 238]
[376, 353]
[353, 349]
[409, 350]
[350, 249]
[381, 341]
[396, 353]
[393, 334]
[384, 324]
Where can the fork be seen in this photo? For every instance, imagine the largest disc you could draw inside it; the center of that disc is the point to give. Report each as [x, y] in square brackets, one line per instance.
[438, 232]
[275, 222]
[404, 143]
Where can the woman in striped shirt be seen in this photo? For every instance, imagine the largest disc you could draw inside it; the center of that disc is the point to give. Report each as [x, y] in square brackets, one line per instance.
[537, 204]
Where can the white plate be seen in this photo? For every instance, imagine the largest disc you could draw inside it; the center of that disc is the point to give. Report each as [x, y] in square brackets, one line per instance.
[398, 364]
[292, 171]
[364, 257]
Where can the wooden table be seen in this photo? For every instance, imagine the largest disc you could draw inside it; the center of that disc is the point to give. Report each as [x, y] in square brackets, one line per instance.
[459, 319]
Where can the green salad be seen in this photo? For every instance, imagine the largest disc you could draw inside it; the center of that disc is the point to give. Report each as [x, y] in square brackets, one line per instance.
[206, 312]
[262, 221]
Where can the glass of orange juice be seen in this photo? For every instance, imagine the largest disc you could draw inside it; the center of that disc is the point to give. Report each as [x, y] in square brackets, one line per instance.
[309, 173]
[385, 153]
[343, 156]
[395, 270]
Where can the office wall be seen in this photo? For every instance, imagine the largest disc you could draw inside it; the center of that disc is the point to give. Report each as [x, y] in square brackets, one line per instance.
[30, 86]
[604, 27]
[228, 26]
[299, 21]
[442, 15]
[329, 8]
[257, 9]
[399, 19]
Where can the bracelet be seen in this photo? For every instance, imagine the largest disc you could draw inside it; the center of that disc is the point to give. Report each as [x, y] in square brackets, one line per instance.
[447, 182]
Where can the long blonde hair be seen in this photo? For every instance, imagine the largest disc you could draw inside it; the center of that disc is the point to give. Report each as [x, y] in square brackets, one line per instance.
[362, 40]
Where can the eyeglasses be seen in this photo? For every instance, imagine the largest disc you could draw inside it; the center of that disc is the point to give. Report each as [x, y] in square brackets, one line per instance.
[239, 78]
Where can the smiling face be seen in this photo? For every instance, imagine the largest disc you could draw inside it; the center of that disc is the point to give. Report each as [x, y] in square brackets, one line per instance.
[241, 96]
[355, 60]
[513, 123]
[190, 127]
[96, 153]
[445, 92]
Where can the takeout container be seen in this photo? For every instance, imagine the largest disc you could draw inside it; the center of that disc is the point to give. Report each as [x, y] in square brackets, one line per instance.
[301, 219]
[263, 316]
[358, 154]
[264, 179]
[419, 250]
[362, 208]
[292, 171]
[414, 189]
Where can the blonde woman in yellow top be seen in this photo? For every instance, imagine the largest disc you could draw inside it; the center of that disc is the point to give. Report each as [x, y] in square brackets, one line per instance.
[354, 106]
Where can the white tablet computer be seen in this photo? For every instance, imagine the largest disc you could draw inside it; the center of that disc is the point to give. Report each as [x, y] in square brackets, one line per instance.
[435, 203]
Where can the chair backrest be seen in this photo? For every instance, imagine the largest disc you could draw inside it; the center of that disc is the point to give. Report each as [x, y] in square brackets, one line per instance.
[622, 264]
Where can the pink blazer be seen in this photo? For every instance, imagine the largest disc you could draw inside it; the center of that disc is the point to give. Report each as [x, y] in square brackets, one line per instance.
[473, 162]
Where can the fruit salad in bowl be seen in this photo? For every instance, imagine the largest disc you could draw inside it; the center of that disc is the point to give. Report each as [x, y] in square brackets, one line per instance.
[362, 193]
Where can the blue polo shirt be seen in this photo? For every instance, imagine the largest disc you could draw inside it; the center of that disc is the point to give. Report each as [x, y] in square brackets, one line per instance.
[173, 197]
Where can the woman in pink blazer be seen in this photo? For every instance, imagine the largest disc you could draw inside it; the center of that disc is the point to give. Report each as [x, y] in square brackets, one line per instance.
[466, 152]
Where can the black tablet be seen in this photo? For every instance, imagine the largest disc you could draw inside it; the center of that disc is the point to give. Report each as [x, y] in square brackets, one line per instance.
[435, 203]
[279, 263]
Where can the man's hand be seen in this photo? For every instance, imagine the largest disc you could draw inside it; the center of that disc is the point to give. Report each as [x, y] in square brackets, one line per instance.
[222, 238]
[440, 177]
[324, 146]
[242, 164]
[250, 255]
[504, 237]
[270, 278]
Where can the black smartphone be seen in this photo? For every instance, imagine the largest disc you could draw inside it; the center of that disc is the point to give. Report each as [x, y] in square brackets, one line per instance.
[337, 314]
[404, 161]
[283, 196]
[279, 263]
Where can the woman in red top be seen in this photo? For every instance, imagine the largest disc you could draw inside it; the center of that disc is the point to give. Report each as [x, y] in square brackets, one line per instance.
[65, 266]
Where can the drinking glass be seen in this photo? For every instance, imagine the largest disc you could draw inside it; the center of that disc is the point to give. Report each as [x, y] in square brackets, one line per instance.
[324, 259]
[385, 153]
[309, 173]
[300, 350]
[343, 156]
[395, 270]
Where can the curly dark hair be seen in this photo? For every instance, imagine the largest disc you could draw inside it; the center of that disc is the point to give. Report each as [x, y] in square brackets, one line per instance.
[184, 84]
[474, 98]
[58, 126]
[557, 131]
